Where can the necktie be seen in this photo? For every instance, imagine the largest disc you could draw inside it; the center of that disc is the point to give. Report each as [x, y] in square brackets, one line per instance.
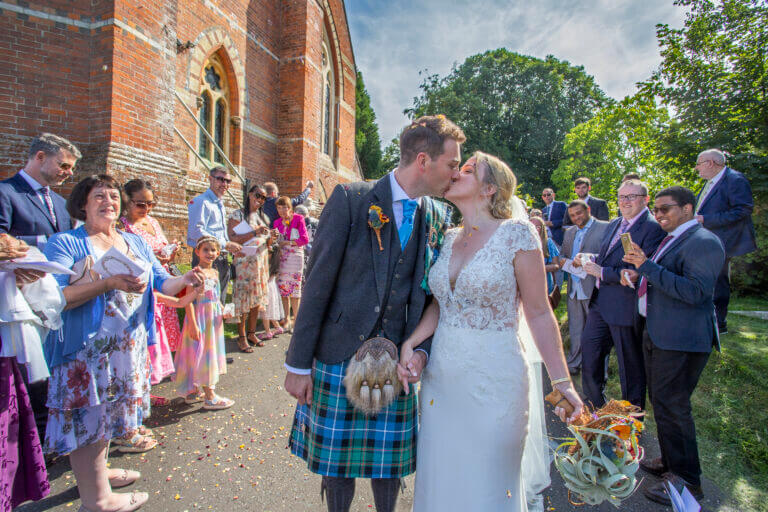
[643, 288]
[404, 232]
[703, 194]
[622, 229]
[549, 212]
[49, 203]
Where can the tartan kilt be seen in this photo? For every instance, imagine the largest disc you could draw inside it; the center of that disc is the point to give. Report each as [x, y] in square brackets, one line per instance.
[337, 440]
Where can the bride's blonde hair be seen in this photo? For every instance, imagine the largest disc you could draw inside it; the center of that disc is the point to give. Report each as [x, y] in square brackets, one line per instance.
[499, 175]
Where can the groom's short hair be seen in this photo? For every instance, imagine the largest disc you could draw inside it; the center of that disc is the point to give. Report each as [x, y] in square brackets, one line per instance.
[427, 134]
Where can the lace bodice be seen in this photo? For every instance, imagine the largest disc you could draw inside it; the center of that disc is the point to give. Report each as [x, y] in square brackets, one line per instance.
[485, 294]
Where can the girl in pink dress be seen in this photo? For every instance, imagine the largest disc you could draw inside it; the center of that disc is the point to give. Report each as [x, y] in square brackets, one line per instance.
[136, 219]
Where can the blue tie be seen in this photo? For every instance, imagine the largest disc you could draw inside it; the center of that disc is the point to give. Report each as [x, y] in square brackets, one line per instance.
[404, 232]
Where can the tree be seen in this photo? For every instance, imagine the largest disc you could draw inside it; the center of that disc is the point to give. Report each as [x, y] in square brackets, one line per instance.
[516, 107]
[391, 157]
[367, 141]
[714, 76]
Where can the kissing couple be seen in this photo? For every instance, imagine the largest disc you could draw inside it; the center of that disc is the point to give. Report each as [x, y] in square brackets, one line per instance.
[385, 265]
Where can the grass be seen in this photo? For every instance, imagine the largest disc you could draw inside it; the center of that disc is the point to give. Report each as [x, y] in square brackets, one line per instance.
[730, 406]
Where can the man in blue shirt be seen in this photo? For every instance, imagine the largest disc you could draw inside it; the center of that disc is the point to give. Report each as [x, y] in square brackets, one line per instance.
[208, 217]
[269, 207]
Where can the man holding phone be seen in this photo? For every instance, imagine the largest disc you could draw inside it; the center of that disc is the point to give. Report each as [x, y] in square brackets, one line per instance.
[613, 319]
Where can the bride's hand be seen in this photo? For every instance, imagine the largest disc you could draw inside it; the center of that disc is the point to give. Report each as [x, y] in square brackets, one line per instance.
[406, 353]
[570, 394]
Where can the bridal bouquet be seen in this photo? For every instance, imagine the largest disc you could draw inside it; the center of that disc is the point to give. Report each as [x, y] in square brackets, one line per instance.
[600, 461]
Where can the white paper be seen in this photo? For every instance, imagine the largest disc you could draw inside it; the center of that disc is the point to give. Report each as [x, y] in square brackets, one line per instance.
[576, 271]
[242, 229]
[684, 503]
[294, 234]
[35, 260]
[114, 262]
[625, 273]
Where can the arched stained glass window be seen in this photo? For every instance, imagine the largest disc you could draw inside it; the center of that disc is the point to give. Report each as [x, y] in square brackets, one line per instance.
[328, 100]
[214, 111]
[219, 127]
[205, 120]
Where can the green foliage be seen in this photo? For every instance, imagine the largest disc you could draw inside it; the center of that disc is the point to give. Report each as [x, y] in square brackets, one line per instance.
[391, 157]
[367, 141]
[516, 107]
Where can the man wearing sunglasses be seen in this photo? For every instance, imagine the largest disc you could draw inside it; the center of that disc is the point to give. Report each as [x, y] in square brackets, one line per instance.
[675, 289]
[208, 217]
[724, 206]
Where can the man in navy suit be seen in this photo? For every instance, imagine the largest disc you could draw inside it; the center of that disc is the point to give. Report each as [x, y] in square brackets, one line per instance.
[675, 289]
[612, 319]
[32, 212]
[598, 207]
[29, 209]
[553, 214]
[724, 206]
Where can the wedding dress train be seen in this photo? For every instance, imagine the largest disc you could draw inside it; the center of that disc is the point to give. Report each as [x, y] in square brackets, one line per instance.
[474, 398]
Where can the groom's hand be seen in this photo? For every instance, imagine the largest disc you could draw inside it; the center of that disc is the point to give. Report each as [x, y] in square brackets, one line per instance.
[299, 387]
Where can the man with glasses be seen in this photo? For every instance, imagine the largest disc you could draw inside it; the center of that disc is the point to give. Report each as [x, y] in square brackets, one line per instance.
[675, 289]
[32, 212]
[613, 319]
[724, 206]
[553, 214]
[208, 217]
[599, 208]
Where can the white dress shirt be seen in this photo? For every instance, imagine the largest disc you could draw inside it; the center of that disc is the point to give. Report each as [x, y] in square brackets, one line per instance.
[642, 302]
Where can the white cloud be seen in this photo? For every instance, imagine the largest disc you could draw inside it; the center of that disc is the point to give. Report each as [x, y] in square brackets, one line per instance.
[615, 41]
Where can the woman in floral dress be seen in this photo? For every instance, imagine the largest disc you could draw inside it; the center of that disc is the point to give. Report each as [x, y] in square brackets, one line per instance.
[249, 290]
[99, 385]
[136, 219]
[293, 238]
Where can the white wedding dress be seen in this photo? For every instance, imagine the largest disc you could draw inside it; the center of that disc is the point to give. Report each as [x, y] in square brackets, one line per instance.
[476, 389]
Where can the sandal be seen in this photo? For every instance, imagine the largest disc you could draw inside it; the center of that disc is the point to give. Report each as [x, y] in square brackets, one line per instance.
[194, 398]
[158, 401]
[127, 477]
[136, 444]
[242, 344]
[137, 500]
[218, 402]
[144, 431]
[259, 339]
[277, 331]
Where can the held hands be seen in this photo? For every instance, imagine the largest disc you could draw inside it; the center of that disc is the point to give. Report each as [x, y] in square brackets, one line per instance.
[233, 247]
[299, 387]
[636, 257]
[410, 366]
[194, 277]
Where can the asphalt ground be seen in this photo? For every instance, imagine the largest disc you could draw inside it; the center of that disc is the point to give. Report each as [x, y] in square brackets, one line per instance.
[238, 460]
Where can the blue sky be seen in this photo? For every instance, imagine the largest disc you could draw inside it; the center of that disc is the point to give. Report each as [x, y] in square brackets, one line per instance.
[615, 41]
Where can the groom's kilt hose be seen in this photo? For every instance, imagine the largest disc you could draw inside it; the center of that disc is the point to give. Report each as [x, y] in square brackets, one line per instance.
[337, 440]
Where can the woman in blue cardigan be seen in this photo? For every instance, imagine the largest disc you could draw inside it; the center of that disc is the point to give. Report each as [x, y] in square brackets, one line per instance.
[99, 385]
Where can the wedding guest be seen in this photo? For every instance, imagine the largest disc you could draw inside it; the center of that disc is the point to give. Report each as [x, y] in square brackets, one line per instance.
[553, 214]
[676, 287]
[32, 212]
[208, 217]
[249, 292]
[270, 204]
[585, 237]
[23, 476]
[107, 323]
[139, 201]
[550, 251]
[294, 237]
[598, 207]
[612, 320]
[724, 206]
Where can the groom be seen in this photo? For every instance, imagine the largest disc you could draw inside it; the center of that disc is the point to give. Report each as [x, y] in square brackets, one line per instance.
[358, 287]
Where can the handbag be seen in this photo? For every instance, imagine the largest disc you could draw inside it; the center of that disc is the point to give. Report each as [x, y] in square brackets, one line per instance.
[554, 297]
[83, 271]
[371, 378]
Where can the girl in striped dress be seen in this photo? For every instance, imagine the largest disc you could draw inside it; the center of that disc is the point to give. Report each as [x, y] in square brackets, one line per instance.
[201, 359]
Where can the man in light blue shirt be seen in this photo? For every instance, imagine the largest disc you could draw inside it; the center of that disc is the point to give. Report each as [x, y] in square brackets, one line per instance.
[584, 237]
[208, 217]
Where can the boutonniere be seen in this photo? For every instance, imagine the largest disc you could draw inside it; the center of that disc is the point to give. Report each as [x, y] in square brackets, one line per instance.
[376, 220]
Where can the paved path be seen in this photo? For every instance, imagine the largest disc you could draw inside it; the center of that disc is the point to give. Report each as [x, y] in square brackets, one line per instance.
[236, 460]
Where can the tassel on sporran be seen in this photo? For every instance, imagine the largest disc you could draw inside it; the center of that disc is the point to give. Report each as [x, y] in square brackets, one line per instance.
[371, 378]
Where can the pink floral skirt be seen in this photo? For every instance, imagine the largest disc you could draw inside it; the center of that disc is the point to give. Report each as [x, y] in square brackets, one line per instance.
[291, 271]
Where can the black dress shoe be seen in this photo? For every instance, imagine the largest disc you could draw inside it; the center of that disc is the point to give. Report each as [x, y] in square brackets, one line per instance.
[658, 491]
[653, 466]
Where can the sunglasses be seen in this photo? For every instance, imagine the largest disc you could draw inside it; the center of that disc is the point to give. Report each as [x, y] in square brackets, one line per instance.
[664, 208]
[144, 204]
[222, 179]
[545, 195]
[259, 196]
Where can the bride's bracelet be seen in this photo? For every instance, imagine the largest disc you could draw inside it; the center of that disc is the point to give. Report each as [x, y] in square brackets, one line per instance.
[561, 380]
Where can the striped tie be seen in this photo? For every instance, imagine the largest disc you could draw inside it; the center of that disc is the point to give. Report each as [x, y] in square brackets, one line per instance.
[47, 197]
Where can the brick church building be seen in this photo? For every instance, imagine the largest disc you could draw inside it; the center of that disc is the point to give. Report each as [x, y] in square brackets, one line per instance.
[151, 89]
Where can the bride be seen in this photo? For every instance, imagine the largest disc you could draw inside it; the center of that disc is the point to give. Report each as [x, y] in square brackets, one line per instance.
[474, 397]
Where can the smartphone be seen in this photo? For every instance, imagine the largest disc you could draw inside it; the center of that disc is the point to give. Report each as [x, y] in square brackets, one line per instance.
[626, 243]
